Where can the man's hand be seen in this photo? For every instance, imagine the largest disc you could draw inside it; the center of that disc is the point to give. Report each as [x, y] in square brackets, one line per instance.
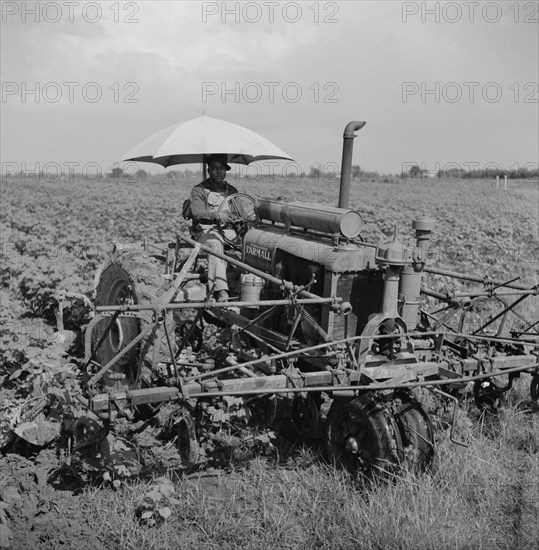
[226, 217]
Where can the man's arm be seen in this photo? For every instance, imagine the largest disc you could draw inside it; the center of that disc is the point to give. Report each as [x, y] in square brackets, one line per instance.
[199, 206]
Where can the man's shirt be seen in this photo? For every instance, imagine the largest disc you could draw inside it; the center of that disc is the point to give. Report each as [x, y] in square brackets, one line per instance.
[205, 200]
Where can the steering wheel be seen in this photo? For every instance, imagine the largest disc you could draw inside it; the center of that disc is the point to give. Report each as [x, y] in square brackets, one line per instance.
[238, 213]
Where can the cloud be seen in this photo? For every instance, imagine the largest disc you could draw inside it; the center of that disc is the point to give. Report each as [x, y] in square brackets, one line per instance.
[165, 54]
[188, 44]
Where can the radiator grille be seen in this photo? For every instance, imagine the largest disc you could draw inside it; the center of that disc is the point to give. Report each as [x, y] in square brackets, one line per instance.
[364, 291]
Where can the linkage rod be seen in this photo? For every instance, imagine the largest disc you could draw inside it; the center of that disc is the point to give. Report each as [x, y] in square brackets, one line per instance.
[453, 295]
[476, 279]
[220, 305]
[287, 285]
[501, 314]
[129, 346]
[293, 353]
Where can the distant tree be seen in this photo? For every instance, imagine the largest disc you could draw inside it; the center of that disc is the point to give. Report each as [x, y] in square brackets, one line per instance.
[415, 171]
[454, 173]
[315, 173]
[356, 171]
[192, 175]
[142, 175]
[116, 173]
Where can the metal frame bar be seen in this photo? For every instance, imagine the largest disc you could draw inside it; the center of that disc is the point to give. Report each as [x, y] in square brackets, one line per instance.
[218, 305]
[156, 395]
[453, 295]
[476, 279]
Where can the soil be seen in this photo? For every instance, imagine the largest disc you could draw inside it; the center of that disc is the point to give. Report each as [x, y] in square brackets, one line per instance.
[39, 515]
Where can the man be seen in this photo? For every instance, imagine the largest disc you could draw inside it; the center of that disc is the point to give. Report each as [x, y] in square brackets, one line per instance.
[205, 200]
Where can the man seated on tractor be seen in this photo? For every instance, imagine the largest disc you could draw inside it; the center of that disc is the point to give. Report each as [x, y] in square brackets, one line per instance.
[204, 201]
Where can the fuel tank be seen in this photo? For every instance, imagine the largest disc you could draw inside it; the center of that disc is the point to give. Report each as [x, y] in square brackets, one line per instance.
[326, 219]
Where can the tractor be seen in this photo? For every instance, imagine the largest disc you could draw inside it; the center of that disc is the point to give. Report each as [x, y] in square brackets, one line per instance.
[323, 329]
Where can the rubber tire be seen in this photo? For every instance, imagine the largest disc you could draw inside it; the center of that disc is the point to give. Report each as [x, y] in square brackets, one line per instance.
[135, 269]
[534, 389]
[262, 411]
[186, 439]
[367, 418]
[305, 415]
[415, 429]
[485, 396]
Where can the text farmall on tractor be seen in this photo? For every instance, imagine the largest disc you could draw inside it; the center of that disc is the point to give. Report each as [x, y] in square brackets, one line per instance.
[329, 331]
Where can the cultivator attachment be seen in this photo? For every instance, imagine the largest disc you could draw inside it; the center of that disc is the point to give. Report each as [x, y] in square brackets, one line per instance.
[356, 391]
[326, 335]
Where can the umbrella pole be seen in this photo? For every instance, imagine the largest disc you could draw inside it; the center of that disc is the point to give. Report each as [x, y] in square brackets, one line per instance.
[204, 175]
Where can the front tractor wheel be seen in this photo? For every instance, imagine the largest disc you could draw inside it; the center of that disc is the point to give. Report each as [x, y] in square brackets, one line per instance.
[415, 429]
[128, 278]
[362, 437]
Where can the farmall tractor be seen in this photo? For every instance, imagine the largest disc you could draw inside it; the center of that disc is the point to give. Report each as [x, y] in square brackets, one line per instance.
[327, 335]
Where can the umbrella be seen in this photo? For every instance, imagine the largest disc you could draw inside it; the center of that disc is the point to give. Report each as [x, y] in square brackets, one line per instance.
[190, 141]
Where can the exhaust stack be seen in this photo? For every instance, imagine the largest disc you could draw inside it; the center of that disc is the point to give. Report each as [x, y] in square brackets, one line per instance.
[346, 165]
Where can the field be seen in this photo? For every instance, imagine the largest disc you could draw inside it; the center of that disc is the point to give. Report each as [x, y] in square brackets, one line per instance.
[485, 496]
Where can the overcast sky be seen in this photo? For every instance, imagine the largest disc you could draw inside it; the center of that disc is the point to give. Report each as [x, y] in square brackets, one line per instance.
[436, 82]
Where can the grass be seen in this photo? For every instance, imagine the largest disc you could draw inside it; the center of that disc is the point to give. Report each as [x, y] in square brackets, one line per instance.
[485, 496]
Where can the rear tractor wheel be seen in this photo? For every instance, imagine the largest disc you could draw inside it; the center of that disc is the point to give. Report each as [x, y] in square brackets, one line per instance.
[129, 277]
[534, 389]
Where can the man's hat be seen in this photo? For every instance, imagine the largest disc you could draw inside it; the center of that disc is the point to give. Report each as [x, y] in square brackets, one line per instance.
[218, 158]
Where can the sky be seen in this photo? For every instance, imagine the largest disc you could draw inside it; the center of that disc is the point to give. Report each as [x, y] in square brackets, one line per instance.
[438, 83]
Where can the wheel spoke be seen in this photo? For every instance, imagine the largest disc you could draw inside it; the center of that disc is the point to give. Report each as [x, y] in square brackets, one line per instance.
[361, 436]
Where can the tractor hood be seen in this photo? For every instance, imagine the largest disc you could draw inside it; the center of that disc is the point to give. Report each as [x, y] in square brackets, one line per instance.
[264, 247]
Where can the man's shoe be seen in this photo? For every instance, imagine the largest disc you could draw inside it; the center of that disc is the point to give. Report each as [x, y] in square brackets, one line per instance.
[222, 296]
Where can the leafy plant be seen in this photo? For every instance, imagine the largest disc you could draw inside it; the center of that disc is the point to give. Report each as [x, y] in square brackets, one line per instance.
[156, 503]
